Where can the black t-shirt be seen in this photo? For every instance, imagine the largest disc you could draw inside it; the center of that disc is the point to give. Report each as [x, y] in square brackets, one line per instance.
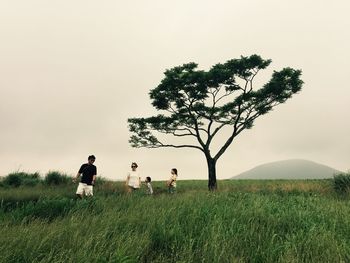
[88, 171]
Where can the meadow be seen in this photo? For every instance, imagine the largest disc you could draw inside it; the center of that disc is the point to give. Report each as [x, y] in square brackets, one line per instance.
[244, 221]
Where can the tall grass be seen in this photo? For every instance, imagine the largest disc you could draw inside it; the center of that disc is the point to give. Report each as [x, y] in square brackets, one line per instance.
[246, 221]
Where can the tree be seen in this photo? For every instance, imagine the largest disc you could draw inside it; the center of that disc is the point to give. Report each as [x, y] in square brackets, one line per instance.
[200, 104]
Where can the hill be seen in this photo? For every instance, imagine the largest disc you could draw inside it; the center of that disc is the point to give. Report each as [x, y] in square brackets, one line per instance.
[289, 169]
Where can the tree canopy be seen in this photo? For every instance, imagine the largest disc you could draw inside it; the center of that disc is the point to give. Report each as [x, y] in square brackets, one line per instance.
[199, 104]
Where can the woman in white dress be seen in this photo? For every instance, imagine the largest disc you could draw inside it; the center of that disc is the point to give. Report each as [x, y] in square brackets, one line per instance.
[171, 183]
[133, 179]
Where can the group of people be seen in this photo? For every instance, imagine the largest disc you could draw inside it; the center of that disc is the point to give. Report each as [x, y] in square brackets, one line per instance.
[88, 173]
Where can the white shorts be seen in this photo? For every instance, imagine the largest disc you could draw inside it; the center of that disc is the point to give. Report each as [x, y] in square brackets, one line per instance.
[84, 188]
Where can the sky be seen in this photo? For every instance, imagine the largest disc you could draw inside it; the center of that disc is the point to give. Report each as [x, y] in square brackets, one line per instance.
[73, 72]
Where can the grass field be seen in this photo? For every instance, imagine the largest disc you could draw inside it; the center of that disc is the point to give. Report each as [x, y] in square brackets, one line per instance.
[245, 221]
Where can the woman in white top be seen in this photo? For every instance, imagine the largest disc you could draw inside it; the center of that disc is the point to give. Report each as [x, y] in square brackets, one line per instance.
[171, 183]
[133, 179]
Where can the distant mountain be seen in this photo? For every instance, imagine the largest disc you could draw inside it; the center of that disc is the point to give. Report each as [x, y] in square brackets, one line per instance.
[289, 169]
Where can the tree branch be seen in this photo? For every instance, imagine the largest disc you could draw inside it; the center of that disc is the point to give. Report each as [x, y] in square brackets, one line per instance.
[161, 145]
[224, 96]
[182, 134]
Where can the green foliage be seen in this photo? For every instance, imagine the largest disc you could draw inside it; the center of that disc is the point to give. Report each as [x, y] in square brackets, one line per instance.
[192, 98]
[341, 183]
[56, 178]
[13, 179]
[17, 179]
[31, 179]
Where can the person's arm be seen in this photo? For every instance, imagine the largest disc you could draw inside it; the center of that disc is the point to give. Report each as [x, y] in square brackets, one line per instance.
[76, 177]
[127, 180]
[79, 173]
[94, 176]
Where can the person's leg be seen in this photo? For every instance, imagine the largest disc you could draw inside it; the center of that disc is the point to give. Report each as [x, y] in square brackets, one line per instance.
[172, 189]
[80, 190]
[89, 190]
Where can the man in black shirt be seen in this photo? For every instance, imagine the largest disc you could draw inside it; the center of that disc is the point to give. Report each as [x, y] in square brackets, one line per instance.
[88, 172]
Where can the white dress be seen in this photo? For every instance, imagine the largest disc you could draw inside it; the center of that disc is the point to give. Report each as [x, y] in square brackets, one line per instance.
[134, 179]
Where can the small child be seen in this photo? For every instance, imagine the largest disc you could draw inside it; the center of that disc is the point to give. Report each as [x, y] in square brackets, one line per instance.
[149, 185]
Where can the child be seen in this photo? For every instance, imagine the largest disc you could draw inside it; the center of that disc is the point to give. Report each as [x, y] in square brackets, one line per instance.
[149, 185]
[171, 183]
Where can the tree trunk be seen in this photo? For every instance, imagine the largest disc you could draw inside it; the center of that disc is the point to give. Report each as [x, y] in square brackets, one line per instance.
[212, 186]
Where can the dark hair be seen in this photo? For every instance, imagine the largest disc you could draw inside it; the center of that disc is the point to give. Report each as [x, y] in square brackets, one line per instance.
[91, 157]
[135, 164]
[149, 179]
[174, 170]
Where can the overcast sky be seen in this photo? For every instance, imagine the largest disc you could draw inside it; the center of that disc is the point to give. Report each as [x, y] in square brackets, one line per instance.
[72, 72]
